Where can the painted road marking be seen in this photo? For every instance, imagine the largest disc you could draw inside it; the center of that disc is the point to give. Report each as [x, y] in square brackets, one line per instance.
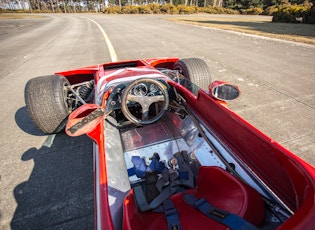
[50, 139]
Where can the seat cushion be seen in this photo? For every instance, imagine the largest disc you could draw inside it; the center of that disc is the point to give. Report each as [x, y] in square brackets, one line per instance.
[218, 187]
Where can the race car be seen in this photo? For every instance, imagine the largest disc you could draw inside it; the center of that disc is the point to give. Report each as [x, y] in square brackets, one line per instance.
[168, 151]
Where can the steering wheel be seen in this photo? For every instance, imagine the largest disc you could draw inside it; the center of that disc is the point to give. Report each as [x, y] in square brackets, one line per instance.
[145, 91]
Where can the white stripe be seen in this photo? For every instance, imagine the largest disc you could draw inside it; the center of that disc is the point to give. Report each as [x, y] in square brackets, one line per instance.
[49, 141]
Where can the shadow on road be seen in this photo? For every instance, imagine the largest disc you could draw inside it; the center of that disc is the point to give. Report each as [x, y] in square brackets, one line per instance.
[24, 122]
[59, 193]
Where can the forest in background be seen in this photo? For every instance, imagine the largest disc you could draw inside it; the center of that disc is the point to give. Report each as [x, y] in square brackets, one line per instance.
[282, 10]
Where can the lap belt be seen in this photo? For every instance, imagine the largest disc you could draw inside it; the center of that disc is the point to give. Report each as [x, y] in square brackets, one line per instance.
[230, 220]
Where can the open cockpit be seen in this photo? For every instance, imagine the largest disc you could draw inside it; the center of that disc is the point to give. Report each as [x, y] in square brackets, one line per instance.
[168, 151]
[153, 170]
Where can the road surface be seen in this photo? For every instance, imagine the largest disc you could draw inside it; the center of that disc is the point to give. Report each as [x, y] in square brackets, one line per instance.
[47, 181]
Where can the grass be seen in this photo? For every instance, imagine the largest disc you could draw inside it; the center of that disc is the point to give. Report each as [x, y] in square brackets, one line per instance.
[257, 25]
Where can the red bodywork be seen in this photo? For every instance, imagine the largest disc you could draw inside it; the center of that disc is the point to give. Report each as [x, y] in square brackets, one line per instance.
[289, 177]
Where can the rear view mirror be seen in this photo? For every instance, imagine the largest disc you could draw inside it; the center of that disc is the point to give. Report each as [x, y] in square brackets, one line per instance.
[84, 119]
[224, 91]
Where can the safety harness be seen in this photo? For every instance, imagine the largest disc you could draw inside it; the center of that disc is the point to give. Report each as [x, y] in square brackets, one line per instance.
[228, 219]
[162, 182]
[170, 214]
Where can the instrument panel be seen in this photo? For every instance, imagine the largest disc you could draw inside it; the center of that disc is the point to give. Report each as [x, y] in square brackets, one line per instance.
[145, 90]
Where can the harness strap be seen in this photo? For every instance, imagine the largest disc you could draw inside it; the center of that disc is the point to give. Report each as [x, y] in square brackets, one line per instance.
[140, 167]
[176, 180]
[186, 176]
[230, 220]
[171, 215]
[142, 202]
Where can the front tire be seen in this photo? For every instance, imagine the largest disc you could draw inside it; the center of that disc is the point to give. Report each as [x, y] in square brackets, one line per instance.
[46, 102]
[196, 70]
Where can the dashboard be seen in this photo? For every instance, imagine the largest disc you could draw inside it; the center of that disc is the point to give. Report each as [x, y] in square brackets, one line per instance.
[146, 89]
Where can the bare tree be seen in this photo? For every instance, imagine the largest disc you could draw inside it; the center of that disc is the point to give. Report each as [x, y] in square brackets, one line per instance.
[23, 4]
[57, 3]
[74, 5]
[38, 4]
[64, 6]
[30, 5]
[52, 6]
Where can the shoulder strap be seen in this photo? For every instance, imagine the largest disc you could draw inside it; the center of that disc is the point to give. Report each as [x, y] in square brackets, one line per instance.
[230, 220]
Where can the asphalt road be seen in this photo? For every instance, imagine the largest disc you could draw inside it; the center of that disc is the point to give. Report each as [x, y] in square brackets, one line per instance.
[47, 181]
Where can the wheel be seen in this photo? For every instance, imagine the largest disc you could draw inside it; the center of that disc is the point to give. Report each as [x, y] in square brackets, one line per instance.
[151, 95]
[196, 70]
[46, 102]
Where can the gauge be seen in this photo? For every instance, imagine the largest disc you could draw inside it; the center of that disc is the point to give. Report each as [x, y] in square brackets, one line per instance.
[140, 90]
[153, 88]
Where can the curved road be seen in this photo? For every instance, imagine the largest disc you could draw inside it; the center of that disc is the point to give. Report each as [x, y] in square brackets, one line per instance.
[47, 181]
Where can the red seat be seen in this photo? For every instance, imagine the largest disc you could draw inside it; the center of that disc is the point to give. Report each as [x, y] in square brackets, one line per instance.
[218, 187]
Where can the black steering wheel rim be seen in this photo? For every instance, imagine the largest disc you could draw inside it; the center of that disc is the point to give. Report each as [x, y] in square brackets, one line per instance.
[145, 101]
